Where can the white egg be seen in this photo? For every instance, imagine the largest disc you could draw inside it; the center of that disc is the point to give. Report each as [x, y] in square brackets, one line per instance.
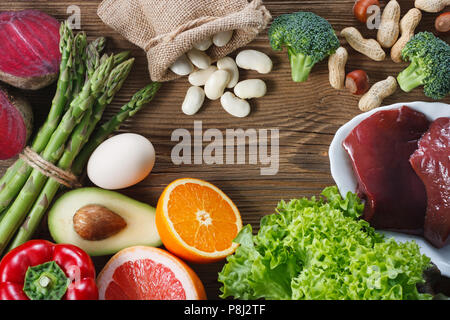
[121, 161]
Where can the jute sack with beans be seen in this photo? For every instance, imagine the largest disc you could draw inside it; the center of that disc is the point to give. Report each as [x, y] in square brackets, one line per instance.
[167, 29]
[368, 47]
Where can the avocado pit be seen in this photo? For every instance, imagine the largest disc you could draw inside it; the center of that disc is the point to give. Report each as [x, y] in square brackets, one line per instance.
[95, 222]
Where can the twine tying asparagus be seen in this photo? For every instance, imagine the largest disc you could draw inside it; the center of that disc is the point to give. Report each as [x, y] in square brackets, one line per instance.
[63, 177]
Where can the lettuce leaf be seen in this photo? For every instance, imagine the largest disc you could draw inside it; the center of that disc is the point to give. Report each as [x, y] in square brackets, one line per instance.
[320, 249]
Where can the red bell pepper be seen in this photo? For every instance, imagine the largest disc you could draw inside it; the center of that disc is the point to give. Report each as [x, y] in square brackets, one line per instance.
[41, 270]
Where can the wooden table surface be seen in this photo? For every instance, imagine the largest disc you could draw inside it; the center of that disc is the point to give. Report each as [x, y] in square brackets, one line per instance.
[306, 114]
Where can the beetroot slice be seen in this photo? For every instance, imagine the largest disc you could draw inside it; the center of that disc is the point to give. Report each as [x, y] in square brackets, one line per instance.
[431, 162]
[30, 49]
[16, 119]
[379, 148]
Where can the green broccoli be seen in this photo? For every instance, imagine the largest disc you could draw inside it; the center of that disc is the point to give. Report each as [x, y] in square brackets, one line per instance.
[308, 38]
[430, 65]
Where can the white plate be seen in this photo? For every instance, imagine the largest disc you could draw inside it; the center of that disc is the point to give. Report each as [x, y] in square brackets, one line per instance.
[343, 175]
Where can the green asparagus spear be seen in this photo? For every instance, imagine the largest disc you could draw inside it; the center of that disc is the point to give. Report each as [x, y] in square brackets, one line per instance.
[16, 176]
[121, 57]
[142, 97]
[84, 130]
[63, 94]
[93, 51]
[79, 70]
[79, 137]
[53, 151]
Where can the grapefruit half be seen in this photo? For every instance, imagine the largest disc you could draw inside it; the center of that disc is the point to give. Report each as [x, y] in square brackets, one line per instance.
[147, 273]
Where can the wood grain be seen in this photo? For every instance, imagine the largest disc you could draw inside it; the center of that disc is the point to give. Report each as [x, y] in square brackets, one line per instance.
[306, 114]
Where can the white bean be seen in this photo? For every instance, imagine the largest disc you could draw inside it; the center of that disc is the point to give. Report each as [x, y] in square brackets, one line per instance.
[203, 45]
[182, 66]
[199, 59]
[254, 60]
[252, 88]
[229, 65]
[222, 38]
[216, 84]
[235, 106]
[195, 96]
[199, 77]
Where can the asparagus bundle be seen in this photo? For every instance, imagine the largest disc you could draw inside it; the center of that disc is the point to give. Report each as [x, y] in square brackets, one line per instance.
[87, 83]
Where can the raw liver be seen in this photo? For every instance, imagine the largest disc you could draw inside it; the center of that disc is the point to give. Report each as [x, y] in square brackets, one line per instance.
[380, 148]
[431, 162]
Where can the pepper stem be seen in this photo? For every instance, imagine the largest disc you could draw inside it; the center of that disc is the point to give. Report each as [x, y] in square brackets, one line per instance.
[46, 281]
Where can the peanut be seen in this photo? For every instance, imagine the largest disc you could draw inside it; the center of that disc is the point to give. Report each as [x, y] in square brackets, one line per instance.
[336, 67]
[377, 93]
[389, 27]
[431, 5]
[369, 47]
[408, 24]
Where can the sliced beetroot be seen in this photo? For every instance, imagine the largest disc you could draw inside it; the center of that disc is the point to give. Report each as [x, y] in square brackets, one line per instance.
[379, 149]
[30, 49]
[431, 162]
[16, 120]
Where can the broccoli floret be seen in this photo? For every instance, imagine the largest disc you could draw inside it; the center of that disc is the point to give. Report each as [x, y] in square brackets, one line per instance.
[430, 65]
[308, 38]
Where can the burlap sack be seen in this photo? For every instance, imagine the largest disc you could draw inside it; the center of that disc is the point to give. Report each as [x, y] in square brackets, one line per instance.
[166, 29]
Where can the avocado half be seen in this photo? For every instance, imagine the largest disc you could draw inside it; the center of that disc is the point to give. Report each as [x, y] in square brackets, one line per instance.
[140, 219]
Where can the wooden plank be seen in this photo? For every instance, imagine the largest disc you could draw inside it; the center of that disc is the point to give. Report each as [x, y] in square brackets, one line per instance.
[306, 114]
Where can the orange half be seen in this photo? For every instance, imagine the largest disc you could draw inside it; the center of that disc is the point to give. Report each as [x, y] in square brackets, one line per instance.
[197, 221]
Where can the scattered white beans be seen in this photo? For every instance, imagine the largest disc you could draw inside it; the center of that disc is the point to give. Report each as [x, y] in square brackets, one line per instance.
[222, 38]
[235, 106]
[216, 84]
[229, 65]
[203, 45]
[199, 59]
[254, 60]
[252, 88]
[182, 66]
[195, 96]
[199, 77]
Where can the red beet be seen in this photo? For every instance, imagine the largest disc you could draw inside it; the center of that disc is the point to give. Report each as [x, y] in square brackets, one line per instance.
[379, 148]
[16, 120]
[431, 162]
[29, 49]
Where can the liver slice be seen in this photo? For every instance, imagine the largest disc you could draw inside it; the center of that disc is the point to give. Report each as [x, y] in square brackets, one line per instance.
[431, 162]
[380, 148]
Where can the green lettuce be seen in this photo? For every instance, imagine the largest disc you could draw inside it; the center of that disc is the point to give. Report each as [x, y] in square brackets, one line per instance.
[319, 249]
